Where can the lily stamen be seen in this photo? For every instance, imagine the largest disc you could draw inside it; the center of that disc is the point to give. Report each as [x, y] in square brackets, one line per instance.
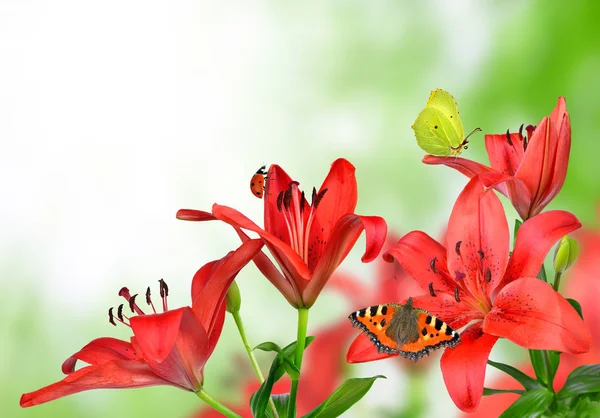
[164, 292]
[124, 292]
[149, 299]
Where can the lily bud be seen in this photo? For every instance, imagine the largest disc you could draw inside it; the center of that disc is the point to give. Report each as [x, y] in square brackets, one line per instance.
[234, 298]
[566, 253]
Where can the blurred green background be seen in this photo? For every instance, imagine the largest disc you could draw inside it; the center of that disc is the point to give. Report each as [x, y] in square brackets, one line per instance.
[114, 115]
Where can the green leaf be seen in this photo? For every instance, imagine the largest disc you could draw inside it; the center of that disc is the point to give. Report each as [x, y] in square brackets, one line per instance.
[542, 274]
[288, 362]
[490, 391]
[346, 395]
[260, 399]
[584, 379]
[288, 352]
[576, 305]
[532, 404]
[545, 363]
[518, 224]
[528, 383]
[281, 403]
[583, 407]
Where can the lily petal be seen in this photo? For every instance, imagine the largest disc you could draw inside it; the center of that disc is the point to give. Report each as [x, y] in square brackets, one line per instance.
[531, 314]
[478, 238]
[268, 269]
[109, 375]
[199, 281]
[362, 350]
[208, 304]
[100, 351]
[174, 345]
[535, 238]
[277, 181]
[340, 199]
[445, 307]
[288, 259]
[505, 156]
[537, 167]
[416, 251]
[467, 167]
[463, 367]
[345, 233]
[194, 215]
[561, 162]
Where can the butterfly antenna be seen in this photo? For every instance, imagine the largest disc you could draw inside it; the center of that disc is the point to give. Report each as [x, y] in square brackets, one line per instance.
[472, 132]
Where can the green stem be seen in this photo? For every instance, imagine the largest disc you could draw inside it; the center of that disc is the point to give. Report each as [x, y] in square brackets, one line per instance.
[300, 345]
[240, 326]
[557, 277]
[218, 406]
[546, 358]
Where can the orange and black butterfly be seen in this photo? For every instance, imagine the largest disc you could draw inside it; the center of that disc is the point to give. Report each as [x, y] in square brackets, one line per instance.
[410, 332]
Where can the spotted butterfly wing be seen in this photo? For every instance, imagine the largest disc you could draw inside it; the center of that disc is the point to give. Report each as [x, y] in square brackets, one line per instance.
[410, 332]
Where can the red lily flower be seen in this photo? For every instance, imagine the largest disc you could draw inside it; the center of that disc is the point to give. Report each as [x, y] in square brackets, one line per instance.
[322, 372]
[308, 241]
[532, 168]
[582, 285]
[475, 282]
[168, 348]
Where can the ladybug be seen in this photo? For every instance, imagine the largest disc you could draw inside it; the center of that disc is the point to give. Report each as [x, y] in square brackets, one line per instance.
[257, 182]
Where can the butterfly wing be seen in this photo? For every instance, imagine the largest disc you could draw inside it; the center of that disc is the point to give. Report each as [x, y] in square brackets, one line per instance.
[433, 131]
[374, 321]
[434, 334]
[445, 103]
[438, 128]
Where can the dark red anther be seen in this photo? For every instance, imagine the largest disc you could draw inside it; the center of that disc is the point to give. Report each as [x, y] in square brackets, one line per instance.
[431, 291]
[111, 318]
[287, 198]
[529, 129]
[279, 200]
[508, 138]
[164, 292]
[120, 312]
[149, 299]
[314, 196]
[164, 289]
[457, 247]
[320, 197]
[521, 131]
[481, 254]
[302, 202]
[456, 297]
[432, 264]
[132, 303]
[488, 275]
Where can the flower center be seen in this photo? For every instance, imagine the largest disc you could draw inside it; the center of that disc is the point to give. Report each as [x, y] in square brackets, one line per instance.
[524, 138]
[293, 206]
[135, 309]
